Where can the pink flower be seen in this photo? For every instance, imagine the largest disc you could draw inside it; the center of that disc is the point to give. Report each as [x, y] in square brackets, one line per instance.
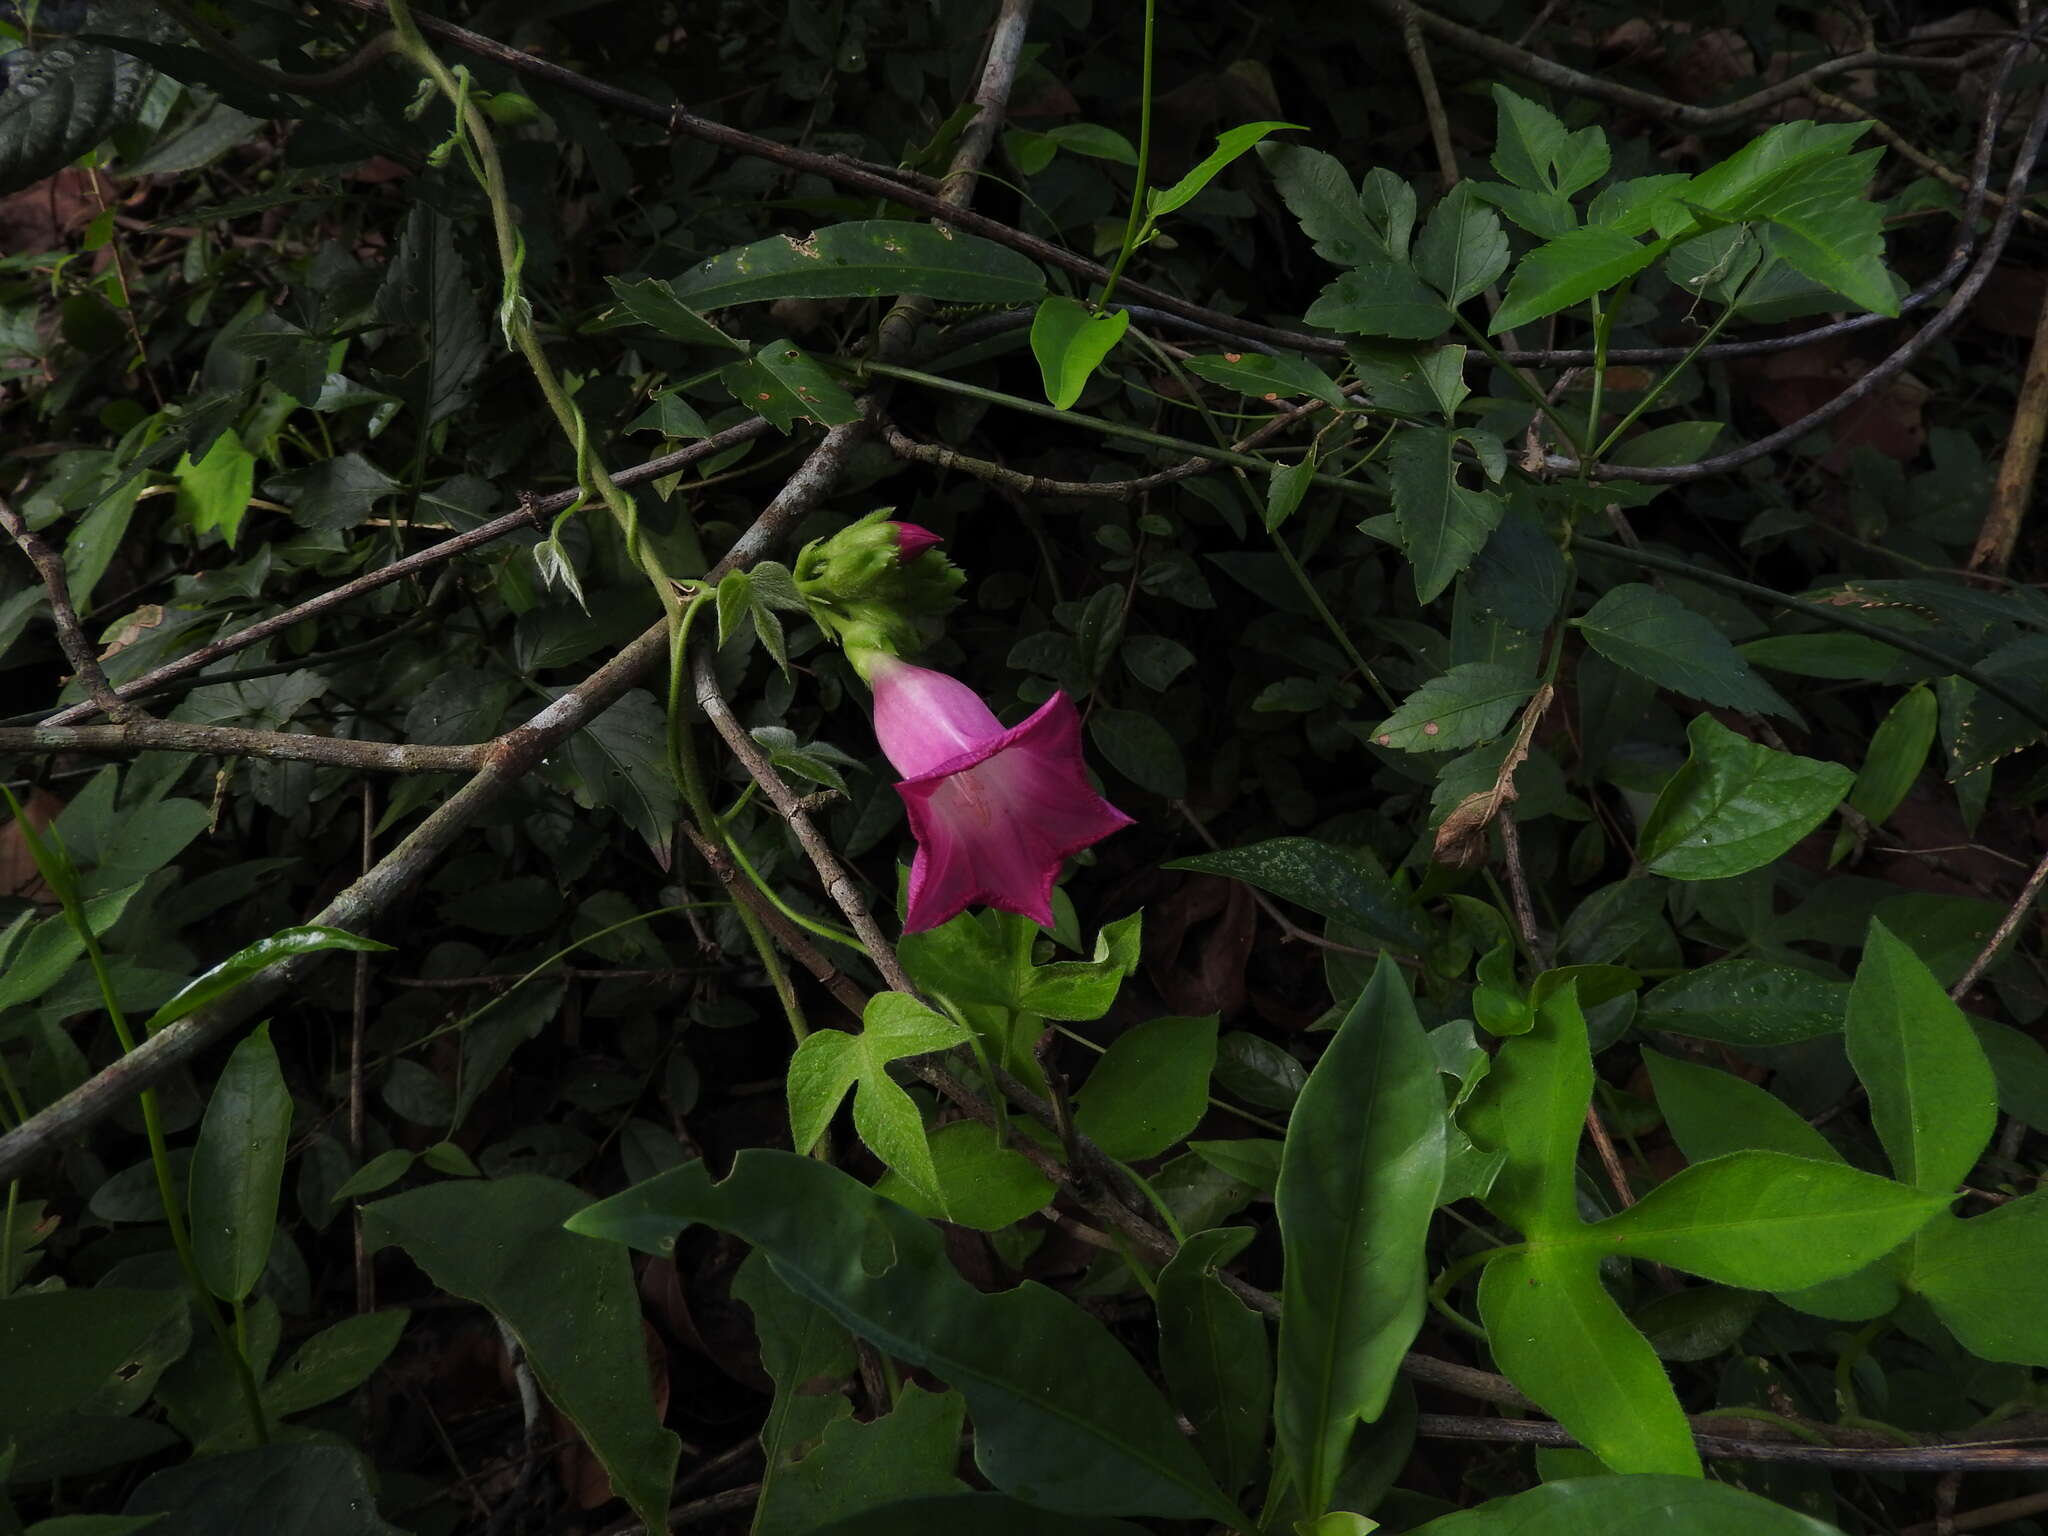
[912, 541]
[995, 809]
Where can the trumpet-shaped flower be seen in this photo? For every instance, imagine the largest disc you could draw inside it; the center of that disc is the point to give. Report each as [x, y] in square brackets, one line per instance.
[995, 809]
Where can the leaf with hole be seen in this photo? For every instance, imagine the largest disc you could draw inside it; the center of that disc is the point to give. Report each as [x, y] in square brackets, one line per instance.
[868, 259]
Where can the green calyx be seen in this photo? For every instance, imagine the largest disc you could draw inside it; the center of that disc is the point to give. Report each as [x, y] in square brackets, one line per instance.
[866, 596]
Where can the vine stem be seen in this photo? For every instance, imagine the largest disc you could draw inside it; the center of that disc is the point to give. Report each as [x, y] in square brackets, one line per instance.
[1133, 223]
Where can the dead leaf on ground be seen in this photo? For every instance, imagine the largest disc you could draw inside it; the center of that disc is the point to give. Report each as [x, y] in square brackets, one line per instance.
[1790, 385]
[18, 875]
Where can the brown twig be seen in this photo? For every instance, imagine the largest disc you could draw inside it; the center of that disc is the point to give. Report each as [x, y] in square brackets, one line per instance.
[358, 1031]
[2012, 492]
[147, 735]
[1989, 1514]
[2022, 904]
[1932, 1456]
[529, 515]
[1908, 150]
[1663, 109]
[70, 635]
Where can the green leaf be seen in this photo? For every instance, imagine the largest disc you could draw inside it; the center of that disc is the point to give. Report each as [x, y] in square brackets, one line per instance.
[1346, 886]
[60, 100]
[1150, 1088]
[1285, 488]
[1380, 298]
[1933, 1100]
[652, 302]
[1563, 1340]
[985, 1514]
[426, 299]
[620, 760]
[1897, 754]
[1680, 442]
[1735, 805]
[1280, 376]
[238, 1167]
[380, 1172]
[281, 1490]
[1532, 1106]
[1746, 1002]
[1571, 268]
[807, 1354]
[1214, 1353]
[982, 1183]
[244, 963]
[1766, 1221]
[1319, 193]
[96, 1351]
[1253, 1160]
[1462, 249]
[1527, 138]
[1844, 657]
[335, 1360]
[869, 259]
[1582, 159]
[1471, 703]
[1229, 145]
[499, 1242]
[1697, 1323]
[1629, 1506]
[214, 493]
[1139, 748]
[1656, 636]
[1822, 226]
[1985, 1278]
[909, 1452]
[1063, 1417]
[1443, 524]
[1710, 1113]
[1358, 1185]
[784, 384]
[53, 947]
[334, 494]
[1070, 340]
[829, 1062]
[2020, 1064]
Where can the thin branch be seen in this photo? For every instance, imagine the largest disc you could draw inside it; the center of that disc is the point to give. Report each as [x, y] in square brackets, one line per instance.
[565, 972]
[2013, 491]
[146, 735]
[78, 650]
[1906, 149]
[1989, 1514]
[531, 514]
[2022, 904]
[1932, 1456]
[1663, 109]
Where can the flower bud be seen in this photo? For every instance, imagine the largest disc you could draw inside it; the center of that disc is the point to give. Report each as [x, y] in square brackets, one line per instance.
[875, 584]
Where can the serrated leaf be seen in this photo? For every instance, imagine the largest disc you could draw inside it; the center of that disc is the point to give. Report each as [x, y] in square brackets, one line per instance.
[1278, 376]
[1319, 193]
[866, 259]
[1735, 805]
[653, 302]
[785, 384]
[1462, 248]
[1656, 636]
[1380, 299]
[1471, 703]
[1569, 269]
[1822, 225]
[60, 100]
[426, 298]
[1070, 340]
[1443, 525]
[1527, 138]
[1285, 488]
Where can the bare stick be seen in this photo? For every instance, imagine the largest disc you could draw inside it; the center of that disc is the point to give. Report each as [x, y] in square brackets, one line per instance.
[1990, 1514]
[1933, 1457]
[359, 1023]
[146, 735]
[2022, 904]
[77, 649]
[1662, 108]
[2014, 488]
